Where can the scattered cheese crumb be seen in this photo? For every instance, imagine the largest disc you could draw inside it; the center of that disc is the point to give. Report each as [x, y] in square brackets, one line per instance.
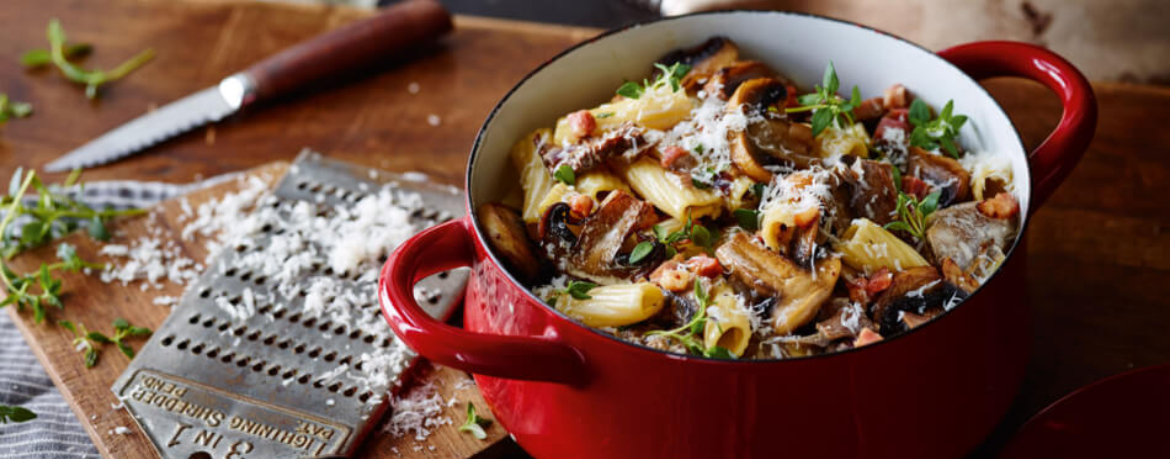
[434, 120]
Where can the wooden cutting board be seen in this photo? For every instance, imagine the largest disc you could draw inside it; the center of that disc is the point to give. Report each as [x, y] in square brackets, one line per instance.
[96, 304]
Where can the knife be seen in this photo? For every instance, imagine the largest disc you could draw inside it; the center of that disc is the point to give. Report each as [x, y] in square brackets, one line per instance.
[346, 49]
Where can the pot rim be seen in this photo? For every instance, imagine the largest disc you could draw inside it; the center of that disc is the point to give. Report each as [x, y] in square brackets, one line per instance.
[473, 213]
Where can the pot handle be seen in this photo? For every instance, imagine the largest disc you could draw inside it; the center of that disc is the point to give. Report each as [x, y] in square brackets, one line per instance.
[447, 246]
[1054, 159]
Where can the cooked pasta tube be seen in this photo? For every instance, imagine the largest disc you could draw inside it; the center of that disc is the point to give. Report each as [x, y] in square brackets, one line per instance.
[598, 181]
[779, 222]
[558, 193]
[739, 194]
[868, 247]
[658, 108]
[728, 325]
[833, 141]
[534, 177]
[668, 194]
[614, 305]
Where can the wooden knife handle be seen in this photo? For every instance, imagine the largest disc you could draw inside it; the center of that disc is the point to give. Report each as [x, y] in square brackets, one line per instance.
[354, 46]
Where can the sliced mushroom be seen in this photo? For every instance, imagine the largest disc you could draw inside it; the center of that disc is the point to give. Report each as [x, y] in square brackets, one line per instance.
[505, 229]
[704, 59]
[913, 289]
[726, 80]
[594, 256]
[962, 233]
[943, 172]
[801, 292]
[769, 137]
[623, 144]
[871, 189]
[846, 322]
[955, 275]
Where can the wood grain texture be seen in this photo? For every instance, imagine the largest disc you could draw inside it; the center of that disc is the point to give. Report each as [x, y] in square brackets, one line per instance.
[96, 304]
[1098, 271]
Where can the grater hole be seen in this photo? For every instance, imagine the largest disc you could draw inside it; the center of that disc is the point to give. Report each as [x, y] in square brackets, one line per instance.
[314, 353]
[302, 185]
[285, 344]
[359, 365]
[227, 358]
[315, 188]
[270, 340]
[310, 322]
[209, 322]
[213, 353]
[241, 248]
[328, 189]
[444, 274]
[386, 342]
[168, 340]
[255, 335]
[335, 387]
[224, 326]
[246, 276]
[258, 367]
[369, 339]
[198, 349]
[350, 392]
[345, 361]
[273, 370]
[304, 379]
[365, 397]
[240, 331]
[325, 325]
[243, 361]
[230, 272]
[266, 228]
[300, 349]
[319, 383]
[292, 372]
[265, 309]
[355, 334]
[261, 280]
[328, 271]
[205, 293]
[182, 346]
[382, 258]
[295, 318]
[331, 356]
[200, 455]
[278, 314]
[193, 319]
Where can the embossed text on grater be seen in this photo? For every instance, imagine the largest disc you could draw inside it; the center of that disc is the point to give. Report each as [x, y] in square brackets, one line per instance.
[250, 364]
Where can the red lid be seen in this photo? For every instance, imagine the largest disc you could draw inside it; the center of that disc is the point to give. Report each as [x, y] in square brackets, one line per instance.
[1126, 415]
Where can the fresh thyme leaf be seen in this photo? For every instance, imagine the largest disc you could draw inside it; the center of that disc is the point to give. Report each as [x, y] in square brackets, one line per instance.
[641, 251]
[42, 57]
[97, 229]
[91, 357]
[10, 109]
[912, 214]
[660, 232]
[748, 219]
[126, 349]
[92, 79]
[474, 423]
[897, 173]
[15, 414]
[564, 174]
[937, 133]
[701, 236]
[719, 352]
[580, 289]
[685, 334]
[630, 89]
[758, 189]
[827, 107]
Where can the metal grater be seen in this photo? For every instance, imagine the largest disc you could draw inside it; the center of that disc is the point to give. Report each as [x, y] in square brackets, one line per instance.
[211, 383]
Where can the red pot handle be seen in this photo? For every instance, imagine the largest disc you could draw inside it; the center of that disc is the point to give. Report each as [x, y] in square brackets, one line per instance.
[447, 246]
[1054, 159]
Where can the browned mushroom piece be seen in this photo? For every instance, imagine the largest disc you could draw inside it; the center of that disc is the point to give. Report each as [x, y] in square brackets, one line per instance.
[726, 80]
[913, 289]
[623, 145]
[505, 229]
[846, 322]
[801, 292]
[871, 189]
[948, 177]
[705, 59]
[594, 254]
[955, 275]
[769, 137]
[962, 234]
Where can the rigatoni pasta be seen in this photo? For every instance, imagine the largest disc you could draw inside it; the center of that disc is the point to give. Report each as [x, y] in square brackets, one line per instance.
[740, 218]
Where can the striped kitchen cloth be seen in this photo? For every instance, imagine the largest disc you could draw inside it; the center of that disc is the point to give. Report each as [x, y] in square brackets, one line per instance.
[56, 432]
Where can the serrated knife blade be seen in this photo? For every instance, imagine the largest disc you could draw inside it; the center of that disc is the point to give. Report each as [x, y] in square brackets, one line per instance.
[402, 27]
[206, 106]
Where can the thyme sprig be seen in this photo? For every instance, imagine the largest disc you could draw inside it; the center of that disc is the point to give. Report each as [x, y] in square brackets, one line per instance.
[60, 52]
[92, 341]
[940, 132]
[475, 424]
[690, 334]
[698, 234]
[10, 109]
[912, 213]
[826, 105]
[672, 76]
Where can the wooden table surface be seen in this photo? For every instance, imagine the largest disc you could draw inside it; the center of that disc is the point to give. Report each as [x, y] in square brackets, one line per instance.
[1099, 267]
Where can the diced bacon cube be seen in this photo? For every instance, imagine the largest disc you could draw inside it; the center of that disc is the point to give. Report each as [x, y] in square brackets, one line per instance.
[705, 266]
[1002, 206]
[582, 123]
[896, 97]
[894, 119]
[673, 155]
[870, 109]
[866, 337]
[879, 282]
[581, 205]
[914, 186]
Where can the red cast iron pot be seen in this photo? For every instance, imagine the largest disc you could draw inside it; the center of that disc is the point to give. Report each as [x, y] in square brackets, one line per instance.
[566, 391]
